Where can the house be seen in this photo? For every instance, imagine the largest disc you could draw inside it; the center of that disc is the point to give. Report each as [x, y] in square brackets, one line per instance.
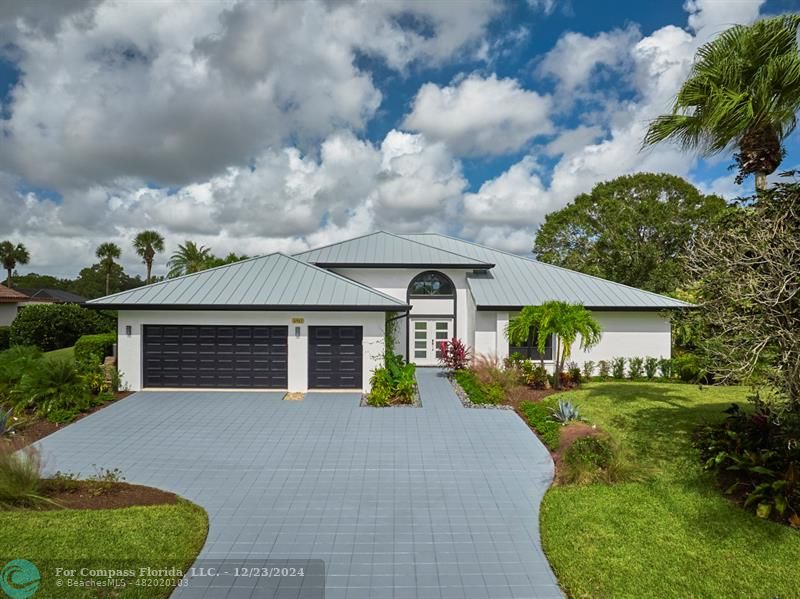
[10, 301]
[53, 296]
[318, 319]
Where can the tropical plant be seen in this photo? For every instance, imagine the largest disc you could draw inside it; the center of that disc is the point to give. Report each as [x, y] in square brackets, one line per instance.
[604, 369]
[6, 425]
[395, 382]
[147, 244]
[588, 369]
[533, 375]
[108, 252]
[565, 412]
[52, 385]
[651, 367]
[454, 355]
[189, 258]
[10, 256]
[574, 372]
[635, 368]
[567, 322]
[618, 368]
[14, 363]
[665, 368]
[743, 91]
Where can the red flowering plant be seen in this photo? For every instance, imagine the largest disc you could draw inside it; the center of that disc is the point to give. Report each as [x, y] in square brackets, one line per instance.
[454, 355]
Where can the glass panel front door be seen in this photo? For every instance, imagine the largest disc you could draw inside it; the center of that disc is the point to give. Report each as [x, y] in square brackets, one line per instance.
[426, 336]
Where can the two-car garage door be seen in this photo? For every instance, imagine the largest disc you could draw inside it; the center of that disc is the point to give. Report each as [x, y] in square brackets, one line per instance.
[247, 357]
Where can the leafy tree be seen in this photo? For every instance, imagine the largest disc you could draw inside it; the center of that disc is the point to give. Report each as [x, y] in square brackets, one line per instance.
[748, 292]
[213, 261]
[743, 91]
[563, 320]
[189, 258]
[147, 244]
[53, 326]
[11, 255]
[633, 230]
[91, 281]
[108, 252]
[37, 281]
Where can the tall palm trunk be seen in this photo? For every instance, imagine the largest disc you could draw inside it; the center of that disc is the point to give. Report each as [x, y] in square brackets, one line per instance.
[761, 181]
[8, 278]
[149, 265]
[108, 279]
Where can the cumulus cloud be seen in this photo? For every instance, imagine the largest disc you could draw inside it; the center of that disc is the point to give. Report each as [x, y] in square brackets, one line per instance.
[480, 115]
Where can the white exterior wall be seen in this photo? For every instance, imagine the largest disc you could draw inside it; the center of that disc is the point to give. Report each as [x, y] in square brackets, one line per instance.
[129, 348]
[8, 312]
[625, 334]
[395, 282]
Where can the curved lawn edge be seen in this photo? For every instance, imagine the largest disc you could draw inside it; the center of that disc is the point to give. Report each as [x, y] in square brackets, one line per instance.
[159, 536]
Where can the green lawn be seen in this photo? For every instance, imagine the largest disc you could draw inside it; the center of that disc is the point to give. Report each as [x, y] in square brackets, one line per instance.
[671, 534]
[60, 354]
[163, 536]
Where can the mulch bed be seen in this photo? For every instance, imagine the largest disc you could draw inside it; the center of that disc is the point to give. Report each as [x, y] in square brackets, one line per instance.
[39, 429]
[91, 495]
[522, 393]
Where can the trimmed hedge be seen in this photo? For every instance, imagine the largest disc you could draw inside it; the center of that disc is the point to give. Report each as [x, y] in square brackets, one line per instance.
[539, 417]
[53, 326]
[5, 338]
[98, 346]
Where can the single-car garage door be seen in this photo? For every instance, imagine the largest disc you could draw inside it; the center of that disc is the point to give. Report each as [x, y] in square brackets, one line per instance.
[213, 357]
[334, 357]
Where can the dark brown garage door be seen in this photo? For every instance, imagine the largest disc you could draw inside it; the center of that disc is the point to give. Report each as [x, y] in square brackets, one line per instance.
[334, 357]
[213, 357]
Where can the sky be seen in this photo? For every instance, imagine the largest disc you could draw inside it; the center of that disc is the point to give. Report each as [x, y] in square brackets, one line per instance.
[254, 127]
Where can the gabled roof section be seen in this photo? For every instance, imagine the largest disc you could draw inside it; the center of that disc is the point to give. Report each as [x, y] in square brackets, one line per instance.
[516, 281]
[11, 296]
[273, 282]
[386, 250]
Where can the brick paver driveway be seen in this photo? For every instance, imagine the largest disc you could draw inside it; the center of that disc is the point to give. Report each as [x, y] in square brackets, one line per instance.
[432, 502]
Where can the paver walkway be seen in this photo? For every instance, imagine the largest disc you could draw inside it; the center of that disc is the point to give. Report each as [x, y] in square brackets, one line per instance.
[432, 502]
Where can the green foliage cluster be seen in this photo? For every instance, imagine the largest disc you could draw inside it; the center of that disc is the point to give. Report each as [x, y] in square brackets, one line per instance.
[477, 391]
[565, 412]
[651, 367]
[635, 368]
[53, 326]
[603, 369]
[393, 383]
[756, 455]
[5, 338]
[94, 347]
[618, 368]
[540, 418]
[20, 478]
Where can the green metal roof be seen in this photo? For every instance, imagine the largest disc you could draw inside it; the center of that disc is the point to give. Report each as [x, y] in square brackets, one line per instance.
[386, 250]
[517, 281]
[273, 282]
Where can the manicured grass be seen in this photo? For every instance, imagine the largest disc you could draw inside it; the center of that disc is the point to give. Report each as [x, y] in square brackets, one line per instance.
[672, 534]
[159, 536]
[61, 354]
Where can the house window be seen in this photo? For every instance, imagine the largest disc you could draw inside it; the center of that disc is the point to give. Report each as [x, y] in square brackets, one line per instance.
[431, 284]
[529, 349]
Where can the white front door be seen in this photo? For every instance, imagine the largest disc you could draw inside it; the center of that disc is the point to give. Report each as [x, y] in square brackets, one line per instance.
[426, 335]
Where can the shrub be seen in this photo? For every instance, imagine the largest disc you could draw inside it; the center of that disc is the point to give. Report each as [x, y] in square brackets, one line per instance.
[635, 368]
[565, 412]
[95, 347]
[14, 363]
[515, 360]
[618, 368]
[651, 367]
[20, 477]
[665, 368]
[393, 383]
[687, 367]
[588, 370]
[574, 373]
[5, 338]
[490, 372]
[53, 326]
[477, 391]
[533, 375]
[603, 369]
[51, 385]
[454, 355]
[756, 456]
[538, 417]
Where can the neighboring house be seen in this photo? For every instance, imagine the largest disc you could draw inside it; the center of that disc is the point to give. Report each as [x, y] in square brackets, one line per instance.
[317, 320]
[10, 301]
[53, 296]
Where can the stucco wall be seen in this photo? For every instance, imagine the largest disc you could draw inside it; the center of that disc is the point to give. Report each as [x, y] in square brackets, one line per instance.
[129, 348]
[8, 312]
[625, 334]
[395, 281]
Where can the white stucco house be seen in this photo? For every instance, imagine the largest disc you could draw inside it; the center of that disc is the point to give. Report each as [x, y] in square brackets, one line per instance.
[317, 320]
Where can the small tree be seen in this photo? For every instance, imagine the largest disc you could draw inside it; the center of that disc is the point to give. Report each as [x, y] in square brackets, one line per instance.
[11, 255]
[565, 321]
[108, 252]
[147, 244]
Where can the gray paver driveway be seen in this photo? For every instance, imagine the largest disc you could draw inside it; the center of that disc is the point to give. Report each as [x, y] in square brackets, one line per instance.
[432, 502]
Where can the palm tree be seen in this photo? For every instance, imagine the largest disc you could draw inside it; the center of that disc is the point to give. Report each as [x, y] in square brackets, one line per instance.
[147, 244]
[189, 258]
[108, 252]
[11, 255]
[743, 92]
[563, 320]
